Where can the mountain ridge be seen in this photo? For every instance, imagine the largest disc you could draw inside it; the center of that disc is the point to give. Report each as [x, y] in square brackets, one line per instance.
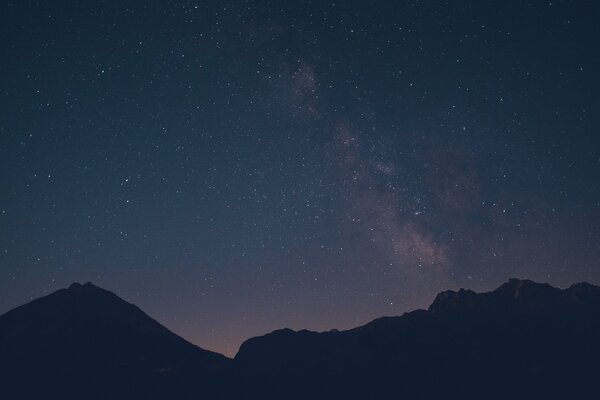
[88, 335]
[539, 338]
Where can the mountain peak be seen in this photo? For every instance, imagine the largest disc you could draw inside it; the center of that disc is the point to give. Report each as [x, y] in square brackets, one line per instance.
[85, 331]
[516, 288]
[77, 285]
[88, 289]
[451, 299]
[513, 287]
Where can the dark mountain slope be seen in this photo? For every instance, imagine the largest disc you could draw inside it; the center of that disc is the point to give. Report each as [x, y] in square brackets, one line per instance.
[524, 337]
[85, 339]
[522, 340]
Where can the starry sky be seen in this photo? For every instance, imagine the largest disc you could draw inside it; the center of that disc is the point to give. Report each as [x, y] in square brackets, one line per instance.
[235, 167]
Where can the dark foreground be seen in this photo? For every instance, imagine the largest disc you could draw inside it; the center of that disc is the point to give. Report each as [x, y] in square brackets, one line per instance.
[523, 340]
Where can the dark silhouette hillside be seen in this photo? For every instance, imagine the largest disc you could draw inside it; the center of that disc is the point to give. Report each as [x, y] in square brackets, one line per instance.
[85, 342]
[522, 340]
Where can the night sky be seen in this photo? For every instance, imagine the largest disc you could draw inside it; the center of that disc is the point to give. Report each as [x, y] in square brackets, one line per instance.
[238, 167]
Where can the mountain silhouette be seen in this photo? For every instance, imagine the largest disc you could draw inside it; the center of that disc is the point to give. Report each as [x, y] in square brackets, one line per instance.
[522, 340]
[85, 342]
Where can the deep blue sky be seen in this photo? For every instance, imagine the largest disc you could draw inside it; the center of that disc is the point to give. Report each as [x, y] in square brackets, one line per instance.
[237, 167]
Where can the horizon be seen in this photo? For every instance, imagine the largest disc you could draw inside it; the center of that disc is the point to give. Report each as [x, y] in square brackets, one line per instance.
[232, 354]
